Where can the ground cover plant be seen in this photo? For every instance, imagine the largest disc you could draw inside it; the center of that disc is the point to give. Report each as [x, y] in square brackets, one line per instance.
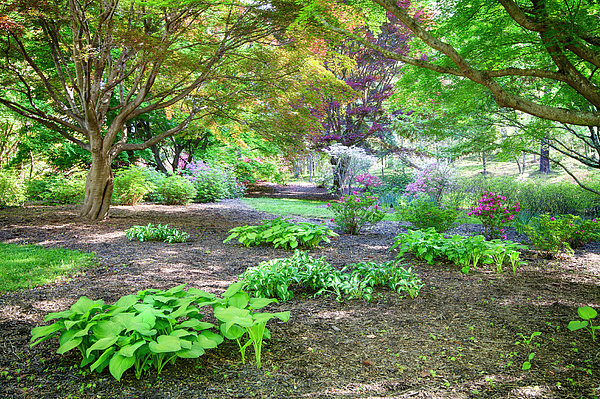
[282, 233]
[28, 266]
[157, 232]
[455, 340]
[272, 279]
[153, 328]
[466, 252]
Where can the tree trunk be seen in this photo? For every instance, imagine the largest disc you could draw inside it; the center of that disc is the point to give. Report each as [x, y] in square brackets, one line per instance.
[484, 163]
[544, 160]
[98, 189]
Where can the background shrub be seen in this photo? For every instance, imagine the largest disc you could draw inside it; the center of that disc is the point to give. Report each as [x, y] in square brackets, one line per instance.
[156, 178]
[424, 213]
[12, 190]
[66, 189]
[131, 185]
[177, 190]
[213, 183]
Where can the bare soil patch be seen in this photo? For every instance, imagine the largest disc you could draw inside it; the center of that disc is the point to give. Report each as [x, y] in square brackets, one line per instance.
[456, 340]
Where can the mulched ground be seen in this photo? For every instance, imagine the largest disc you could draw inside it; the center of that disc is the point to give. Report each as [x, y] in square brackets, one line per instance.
[456, 340]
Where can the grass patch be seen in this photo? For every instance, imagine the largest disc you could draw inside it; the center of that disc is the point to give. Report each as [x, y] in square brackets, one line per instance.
[28, 266]
[286, 207]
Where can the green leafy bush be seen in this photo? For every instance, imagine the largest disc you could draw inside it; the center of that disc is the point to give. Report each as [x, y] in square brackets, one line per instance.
[177, 190]
[131, 185]
[12, 190]
[281, 232]
[424, 213]
[156, 233]
[66, 189]
[465, 252]
[213, 183]
[561, 233]
[156, 178]
[355, 211]
[273, 278]
[153, 328]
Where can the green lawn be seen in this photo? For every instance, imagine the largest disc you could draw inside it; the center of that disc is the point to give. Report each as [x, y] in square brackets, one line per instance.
[28, 266]
[286, 207]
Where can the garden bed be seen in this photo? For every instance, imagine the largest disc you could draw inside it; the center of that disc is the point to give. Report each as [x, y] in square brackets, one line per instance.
[455, 340]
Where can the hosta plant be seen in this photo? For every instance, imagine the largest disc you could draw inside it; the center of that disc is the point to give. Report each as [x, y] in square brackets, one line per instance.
[282, 233]
[156, 233]
[239, 319]
[465, 252]
[153, 328]
[143, 331]
[273, 278]
[587, 313]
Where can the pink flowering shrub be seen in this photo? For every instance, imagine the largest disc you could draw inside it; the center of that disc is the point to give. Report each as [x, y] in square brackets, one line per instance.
[354, 211]
[368, 181]
[561, 233]
[494, 213]
[433, 180]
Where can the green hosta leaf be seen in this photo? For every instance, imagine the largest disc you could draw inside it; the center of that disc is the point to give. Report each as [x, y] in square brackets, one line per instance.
[211, 336]
[196, 324]
[264, 317]
[126, 302]
[232, 289]
[70, 323]
[84, 305]
[239, 300]
[102, 361]
[181, 310]
[587, 312]
[102, 344]
[142, 328]
[207, 342]
[123, 319]
[107, 329]
[176, 290]
[129, 350]
[182, 333]
[119, 364]
[577, 325]
[259, 303]
[146, 316]
[87, 360]
[45, 331]
[69, 344]
[232, 331]
[58, 315]
[165, 343]
[86, 330]
[193, 352]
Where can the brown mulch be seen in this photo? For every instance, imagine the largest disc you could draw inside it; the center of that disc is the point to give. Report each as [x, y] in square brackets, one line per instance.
[455, 340]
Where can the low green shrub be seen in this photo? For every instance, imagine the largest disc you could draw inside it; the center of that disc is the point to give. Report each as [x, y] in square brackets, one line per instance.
[153, 328]
[177, 190]
[66, 189]
[355, 211]
[424, 213]
[12, 189]
[272, 279]
[281, 232]
[213, 183]
[465, 252]
[131, 185]
[561, 233]
[156, 233]
[156, 178]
